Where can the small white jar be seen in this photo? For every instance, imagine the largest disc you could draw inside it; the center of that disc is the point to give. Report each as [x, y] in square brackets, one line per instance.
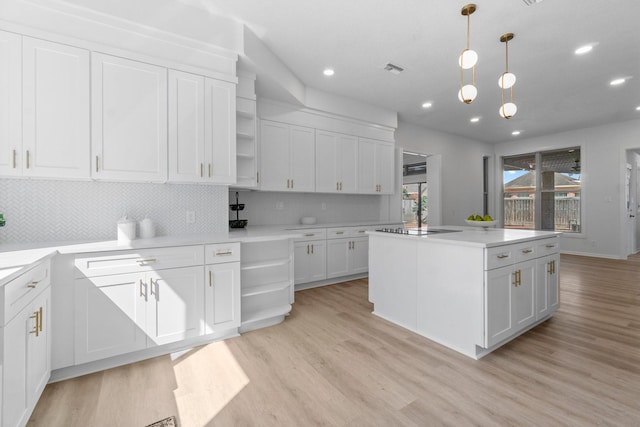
[126, 229]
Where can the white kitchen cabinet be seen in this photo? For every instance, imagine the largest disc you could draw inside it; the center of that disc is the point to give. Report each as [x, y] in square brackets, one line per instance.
[201, 129]
[10, 104]
[131, 300]
[222, 289]
[310, 261]
[336, 162]
[129, 119]
[375, 166]
[347, 256]
[26, 344]
[547, 290]
[45, 113]
[287, 157]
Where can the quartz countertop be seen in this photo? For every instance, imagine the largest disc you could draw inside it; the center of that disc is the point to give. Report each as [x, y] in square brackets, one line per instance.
[475, 236]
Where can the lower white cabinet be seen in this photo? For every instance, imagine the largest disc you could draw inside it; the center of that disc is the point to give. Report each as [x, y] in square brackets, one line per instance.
[347, 256]
[222, 288]
[144, 306]
[310, 258]
[547, 289]
[26, 344]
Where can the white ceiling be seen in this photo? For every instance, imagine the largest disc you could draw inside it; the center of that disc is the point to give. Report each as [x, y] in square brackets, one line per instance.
[556, 90]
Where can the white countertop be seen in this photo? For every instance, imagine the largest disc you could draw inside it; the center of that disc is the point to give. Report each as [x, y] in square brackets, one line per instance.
[475, 236]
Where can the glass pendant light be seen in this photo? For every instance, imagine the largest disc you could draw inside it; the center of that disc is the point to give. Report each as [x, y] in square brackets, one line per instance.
[468, 59]
[506, 82]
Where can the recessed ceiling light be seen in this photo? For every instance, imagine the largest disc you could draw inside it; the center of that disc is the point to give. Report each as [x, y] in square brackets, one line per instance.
[427, 105]
[617, 82]
[515, 133]
[475, 119]
[328, 72]
[638, 108]
[584, 49]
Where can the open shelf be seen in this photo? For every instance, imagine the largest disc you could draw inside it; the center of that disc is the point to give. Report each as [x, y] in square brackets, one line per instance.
[265, 264]
[245, 114]
[244, 135]
[245, 155]
[265, 289]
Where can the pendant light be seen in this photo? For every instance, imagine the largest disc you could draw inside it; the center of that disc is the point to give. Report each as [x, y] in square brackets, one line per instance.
[506, 82]
[468, 59]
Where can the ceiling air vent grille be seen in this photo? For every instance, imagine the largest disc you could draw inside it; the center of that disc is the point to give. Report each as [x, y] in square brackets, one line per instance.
[393, 68]
[531, 2]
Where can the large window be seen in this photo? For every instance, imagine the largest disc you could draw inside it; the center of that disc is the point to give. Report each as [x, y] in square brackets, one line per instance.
[414, 190]
[542, 190]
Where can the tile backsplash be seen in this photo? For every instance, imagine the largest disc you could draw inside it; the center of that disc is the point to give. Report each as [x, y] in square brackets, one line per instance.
[50, 210]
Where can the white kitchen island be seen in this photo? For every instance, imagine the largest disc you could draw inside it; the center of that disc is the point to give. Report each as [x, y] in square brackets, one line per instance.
[472, 290]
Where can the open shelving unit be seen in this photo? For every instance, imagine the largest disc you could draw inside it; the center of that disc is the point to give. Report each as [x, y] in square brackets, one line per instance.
[246, 144]
[266, 283]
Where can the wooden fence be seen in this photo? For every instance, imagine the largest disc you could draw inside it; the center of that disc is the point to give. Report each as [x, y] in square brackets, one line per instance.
[519, 213]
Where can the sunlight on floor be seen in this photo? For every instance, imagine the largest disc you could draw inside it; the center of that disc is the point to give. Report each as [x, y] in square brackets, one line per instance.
[211, 388]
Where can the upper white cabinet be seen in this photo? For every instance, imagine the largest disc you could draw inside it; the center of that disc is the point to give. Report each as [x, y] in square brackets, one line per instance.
[375, 166]
[201, 129]
[220, 130]
[10, 104]
[287, 157]
[129, 119]
[336, 162]
[53, 140]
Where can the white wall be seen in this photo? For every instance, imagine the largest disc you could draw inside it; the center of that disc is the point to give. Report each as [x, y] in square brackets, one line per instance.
[48, 210]
[461, 167]
[603, 161]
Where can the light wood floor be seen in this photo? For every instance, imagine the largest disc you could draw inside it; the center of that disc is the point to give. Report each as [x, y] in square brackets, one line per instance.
[333, 363]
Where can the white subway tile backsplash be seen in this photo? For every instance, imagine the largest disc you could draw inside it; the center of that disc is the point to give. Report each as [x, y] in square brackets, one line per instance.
[49, 210]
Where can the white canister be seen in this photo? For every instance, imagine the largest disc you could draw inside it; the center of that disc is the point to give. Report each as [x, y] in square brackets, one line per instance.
[126, 229]
[147, 228]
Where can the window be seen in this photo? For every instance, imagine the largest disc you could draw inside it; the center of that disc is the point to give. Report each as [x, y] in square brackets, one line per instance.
[542, 190]
[414, 190]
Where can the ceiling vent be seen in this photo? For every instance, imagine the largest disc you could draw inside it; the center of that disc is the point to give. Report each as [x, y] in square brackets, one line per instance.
[394, 69]
[531, 2]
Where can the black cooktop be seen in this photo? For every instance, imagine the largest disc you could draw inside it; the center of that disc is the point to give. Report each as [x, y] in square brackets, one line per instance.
[416, 231]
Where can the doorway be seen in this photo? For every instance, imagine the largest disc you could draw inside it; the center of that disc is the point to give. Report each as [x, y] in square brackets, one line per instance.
[632, 201]
[414, 190]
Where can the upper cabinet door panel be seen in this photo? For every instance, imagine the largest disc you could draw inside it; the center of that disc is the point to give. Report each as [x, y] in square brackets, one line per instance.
[129, 122]
[327, 176]
[303, 176]
[220, 131]
[366, 166]
[348, 163]
[10, 104]
[385, 167]
[274, 156]
[56, 135]
[186, 127]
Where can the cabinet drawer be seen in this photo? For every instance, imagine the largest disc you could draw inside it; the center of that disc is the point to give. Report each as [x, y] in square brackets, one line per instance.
[548, 246]
[500, 256]
[527, 251]
[339, 232]
[222, 252]
[312, 234]
[135, 261]
[23, 289]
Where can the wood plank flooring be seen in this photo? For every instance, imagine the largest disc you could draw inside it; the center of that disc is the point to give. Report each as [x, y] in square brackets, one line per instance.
[332, 363]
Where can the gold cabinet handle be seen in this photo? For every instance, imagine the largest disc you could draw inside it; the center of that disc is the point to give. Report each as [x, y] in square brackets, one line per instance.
[201, 170]
[312, 248]
[553, 266]
[257, 177]
[151, 287]
[142, 294]
[503, 256]
[550, 246]
[308, 250]
[33, 284]
[36, 328]
[527, 251]
[515, 278]
[40, 319]
[97, 163]
[362, 231]
[210, 279]
[288, 183]
[209, 170]
[339, 232]
[14, 159]
[519, 275]
[340, 185]
[337, 186]
[146, 261]
[223, 253]
[28, 158]
[291, 183]
[309, 235]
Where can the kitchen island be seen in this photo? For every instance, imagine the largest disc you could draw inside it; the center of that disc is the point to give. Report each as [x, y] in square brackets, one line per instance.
[470, 289]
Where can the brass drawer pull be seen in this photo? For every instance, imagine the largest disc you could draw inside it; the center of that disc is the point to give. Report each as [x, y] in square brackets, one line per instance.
[503, 256]
[224, 253]
[527, 251]
[146, 261]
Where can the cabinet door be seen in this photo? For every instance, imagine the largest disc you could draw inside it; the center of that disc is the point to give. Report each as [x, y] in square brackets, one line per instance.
[546, 285]
[302, 146]
[15, 400]
[56, 110]
[385, 167]
[348, 163]
[39, 348]
[499, 283]
[523, 311]
[10, 104]
[366, 166]
[553, 284]
[274, 156]
[337, 257]
[310, 261]
[222, 297]
[175, 308]
[327, 177]
[186, 127]
[110, 317]
[129, 119]
[359, 255]
[220, 131]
